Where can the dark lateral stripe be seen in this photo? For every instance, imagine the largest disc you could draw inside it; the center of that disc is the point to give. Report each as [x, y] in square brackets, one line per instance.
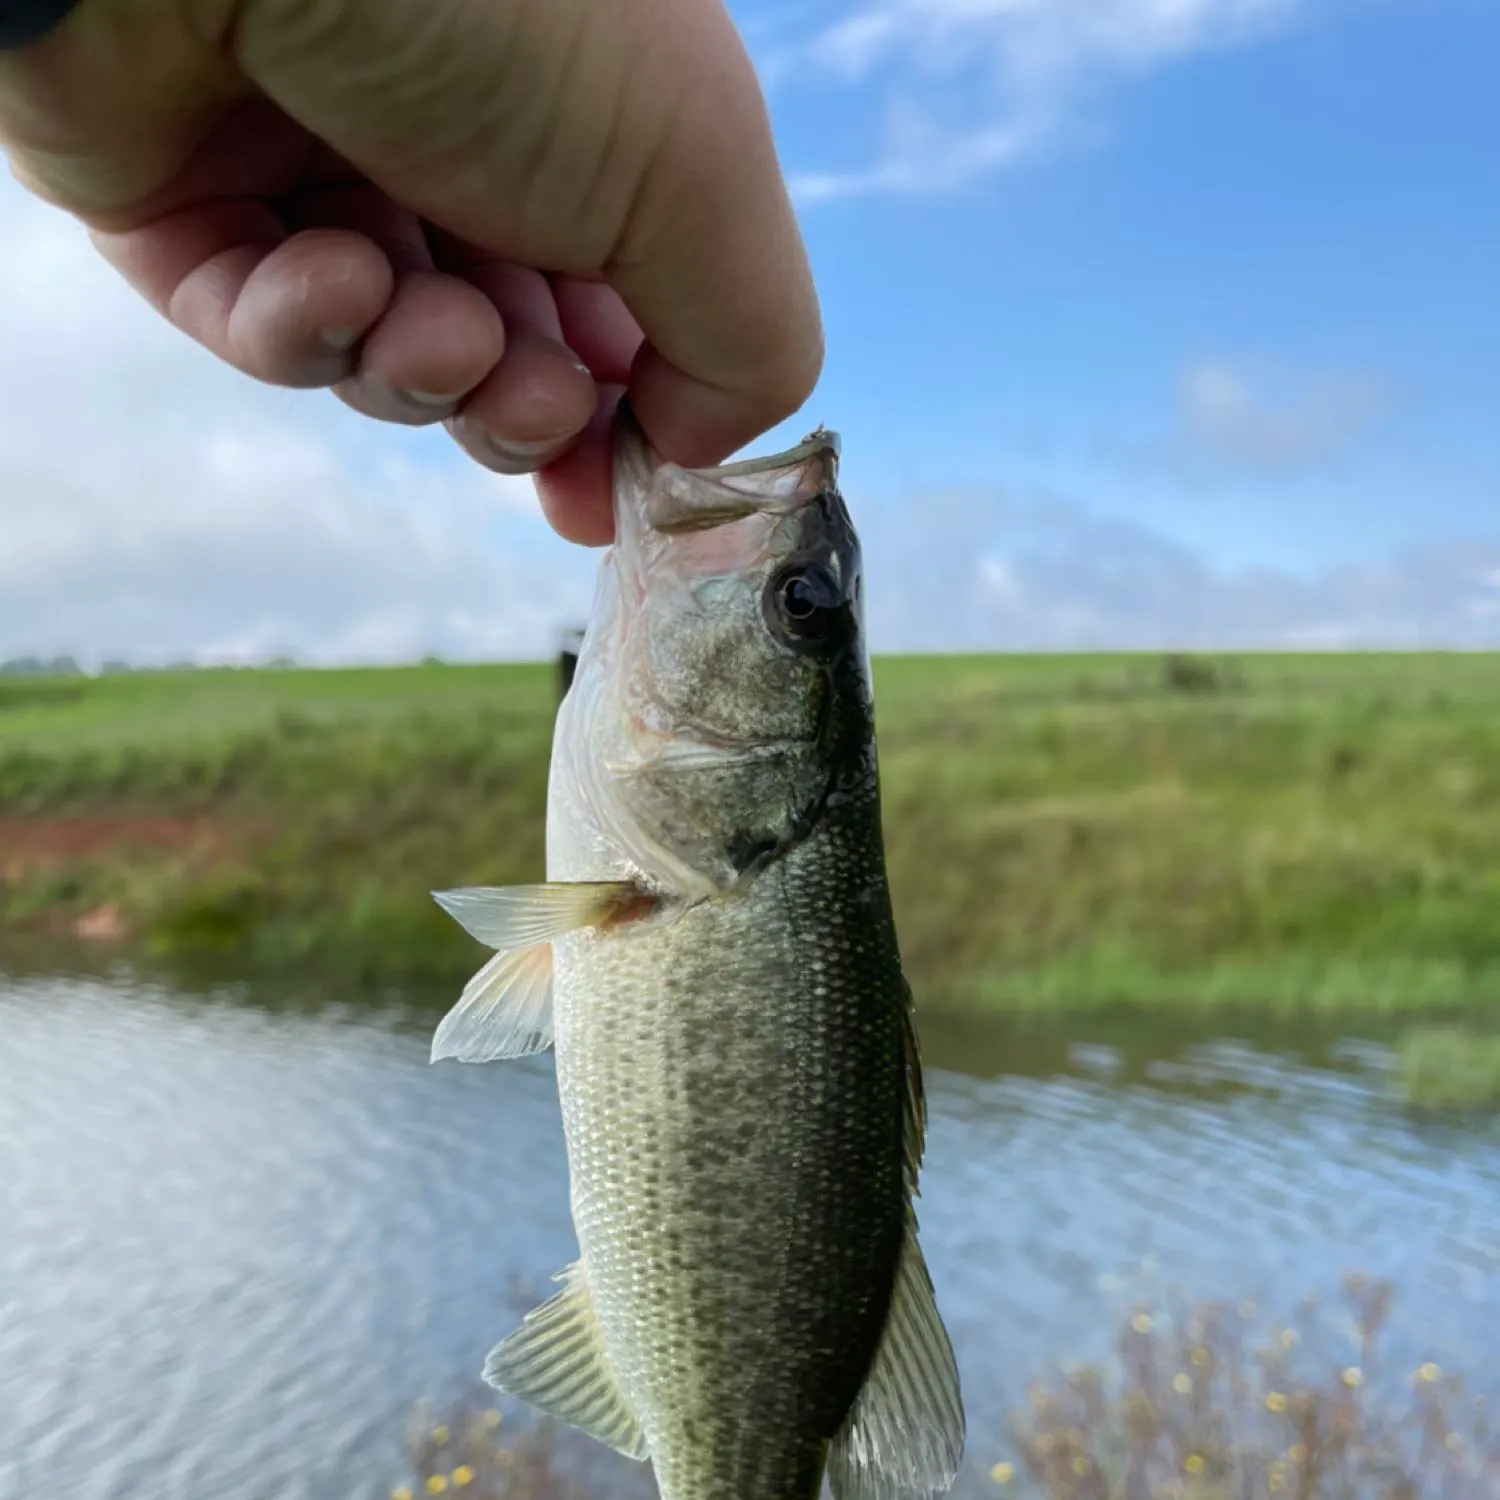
[25, 21]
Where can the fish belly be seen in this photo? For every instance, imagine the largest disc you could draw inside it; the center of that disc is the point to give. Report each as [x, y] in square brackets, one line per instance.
[732, 1088]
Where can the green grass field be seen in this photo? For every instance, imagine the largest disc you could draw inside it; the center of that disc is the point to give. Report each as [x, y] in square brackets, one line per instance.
[1269, 833]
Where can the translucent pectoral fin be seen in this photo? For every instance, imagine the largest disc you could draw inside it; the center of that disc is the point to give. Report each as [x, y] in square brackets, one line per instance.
[904, 1436]
[520, 916]
[506, 1008]
[556, 1361]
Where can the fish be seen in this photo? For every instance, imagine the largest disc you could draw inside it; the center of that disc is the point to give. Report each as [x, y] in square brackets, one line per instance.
[713, 958]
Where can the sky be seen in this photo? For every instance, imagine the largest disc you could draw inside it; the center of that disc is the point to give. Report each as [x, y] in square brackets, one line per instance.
[1150, 323]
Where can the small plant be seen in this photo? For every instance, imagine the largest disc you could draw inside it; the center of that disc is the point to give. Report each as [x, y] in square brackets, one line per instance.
[1192, 674]
[466, 1457]
[1450, 1068]
[1208, 1404]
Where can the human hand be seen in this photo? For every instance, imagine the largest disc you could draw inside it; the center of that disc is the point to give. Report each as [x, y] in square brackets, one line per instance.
[496, 214]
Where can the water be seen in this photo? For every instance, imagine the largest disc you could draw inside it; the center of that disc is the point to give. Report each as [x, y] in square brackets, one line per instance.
[237, 1243]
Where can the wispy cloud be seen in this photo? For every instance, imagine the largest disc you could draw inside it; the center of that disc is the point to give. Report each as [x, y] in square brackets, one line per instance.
[980, 569]
[969, 86]
[1260, 421]
[155, 504]
[1276, 425]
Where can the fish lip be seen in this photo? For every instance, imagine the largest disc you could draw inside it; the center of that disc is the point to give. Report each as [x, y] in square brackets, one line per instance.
[821, 442]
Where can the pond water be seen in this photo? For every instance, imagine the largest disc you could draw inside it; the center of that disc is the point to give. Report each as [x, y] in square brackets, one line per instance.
[238, 1242]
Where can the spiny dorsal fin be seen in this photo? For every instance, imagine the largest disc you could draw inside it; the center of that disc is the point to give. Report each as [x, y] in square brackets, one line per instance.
[506, 1008]
[904, 1436]
[916, 1095]
[556, 1361]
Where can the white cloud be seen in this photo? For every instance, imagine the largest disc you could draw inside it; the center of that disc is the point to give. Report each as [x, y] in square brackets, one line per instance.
[1276, 422]
[155, 504]
[978, 569]
[1242, 421]
[974, 85]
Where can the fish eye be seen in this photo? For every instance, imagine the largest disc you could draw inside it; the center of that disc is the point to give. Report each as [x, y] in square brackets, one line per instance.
[805, 603]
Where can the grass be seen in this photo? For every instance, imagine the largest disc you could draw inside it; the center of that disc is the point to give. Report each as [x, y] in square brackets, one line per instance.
[1273, 834]
[1200, 1402]
[1450, 1068]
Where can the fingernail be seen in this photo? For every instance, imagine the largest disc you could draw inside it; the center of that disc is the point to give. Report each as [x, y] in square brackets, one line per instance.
[339, 338]
[433, 398]
[326, 370]
[523, 458]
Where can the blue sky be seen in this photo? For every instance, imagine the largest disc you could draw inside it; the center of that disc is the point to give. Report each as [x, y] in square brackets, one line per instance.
[1149, 322]
[1301, 213]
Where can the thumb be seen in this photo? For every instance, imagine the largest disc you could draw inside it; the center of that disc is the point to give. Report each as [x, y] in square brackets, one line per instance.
[105, 110]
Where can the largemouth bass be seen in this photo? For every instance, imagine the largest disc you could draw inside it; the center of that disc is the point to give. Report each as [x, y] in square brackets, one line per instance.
[714, 958]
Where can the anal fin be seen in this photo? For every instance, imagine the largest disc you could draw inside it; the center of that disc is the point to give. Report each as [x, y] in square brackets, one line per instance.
[556, 1361]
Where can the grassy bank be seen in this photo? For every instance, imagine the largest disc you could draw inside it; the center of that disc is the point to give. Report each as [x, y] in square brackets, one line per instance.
[1451, 1068]
[1276, 833]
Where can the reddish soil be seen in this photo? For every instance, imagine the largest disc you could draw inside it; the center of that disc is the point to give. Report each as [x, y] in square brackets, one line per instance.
[31, 846]
[28, 845]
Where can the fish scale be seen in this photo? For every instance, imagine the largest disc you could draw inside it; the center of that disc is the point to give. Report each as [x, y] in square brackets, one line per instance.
[714, 957]
[732, 1085]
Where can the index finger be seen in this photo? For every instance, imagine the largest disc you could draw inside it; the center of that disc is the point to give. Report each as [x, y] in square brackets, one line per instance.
[712, 265]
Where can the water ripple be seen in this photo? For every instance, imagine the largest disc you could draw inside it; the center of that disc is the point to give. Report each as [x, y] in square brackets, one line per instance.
[239, 1245]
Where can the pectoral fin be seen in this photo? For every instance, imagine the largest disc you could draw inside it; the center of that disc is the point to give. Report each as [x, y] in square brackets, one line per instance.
[506, 1008]
[556, 1361]
[520, 916]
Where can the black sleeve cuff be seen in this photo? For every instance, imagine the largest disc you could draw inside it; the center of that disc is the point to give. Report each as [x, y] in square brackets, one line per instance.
[25, 21]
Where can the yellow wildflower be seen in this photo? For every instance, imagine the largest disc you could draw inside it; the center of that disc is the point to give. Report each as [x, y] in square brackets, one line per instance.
[1193, 1463]
[1429, 1372]
[1275, 1401]
[1276, 1479]
[401, 1493]
[1288, 1338]
[1002, 1473]
[1353, 1377]
[1081, 1466]
[437, 1484]
[1182, 1384]
[1199, 1356]
[1141, 1322]
[462, 1475]
[440, 1434]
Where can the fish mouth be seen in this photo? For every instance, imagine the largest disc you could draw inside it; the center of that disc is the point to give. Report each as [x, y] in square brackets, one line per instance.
[822, 443]
[678, 499]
